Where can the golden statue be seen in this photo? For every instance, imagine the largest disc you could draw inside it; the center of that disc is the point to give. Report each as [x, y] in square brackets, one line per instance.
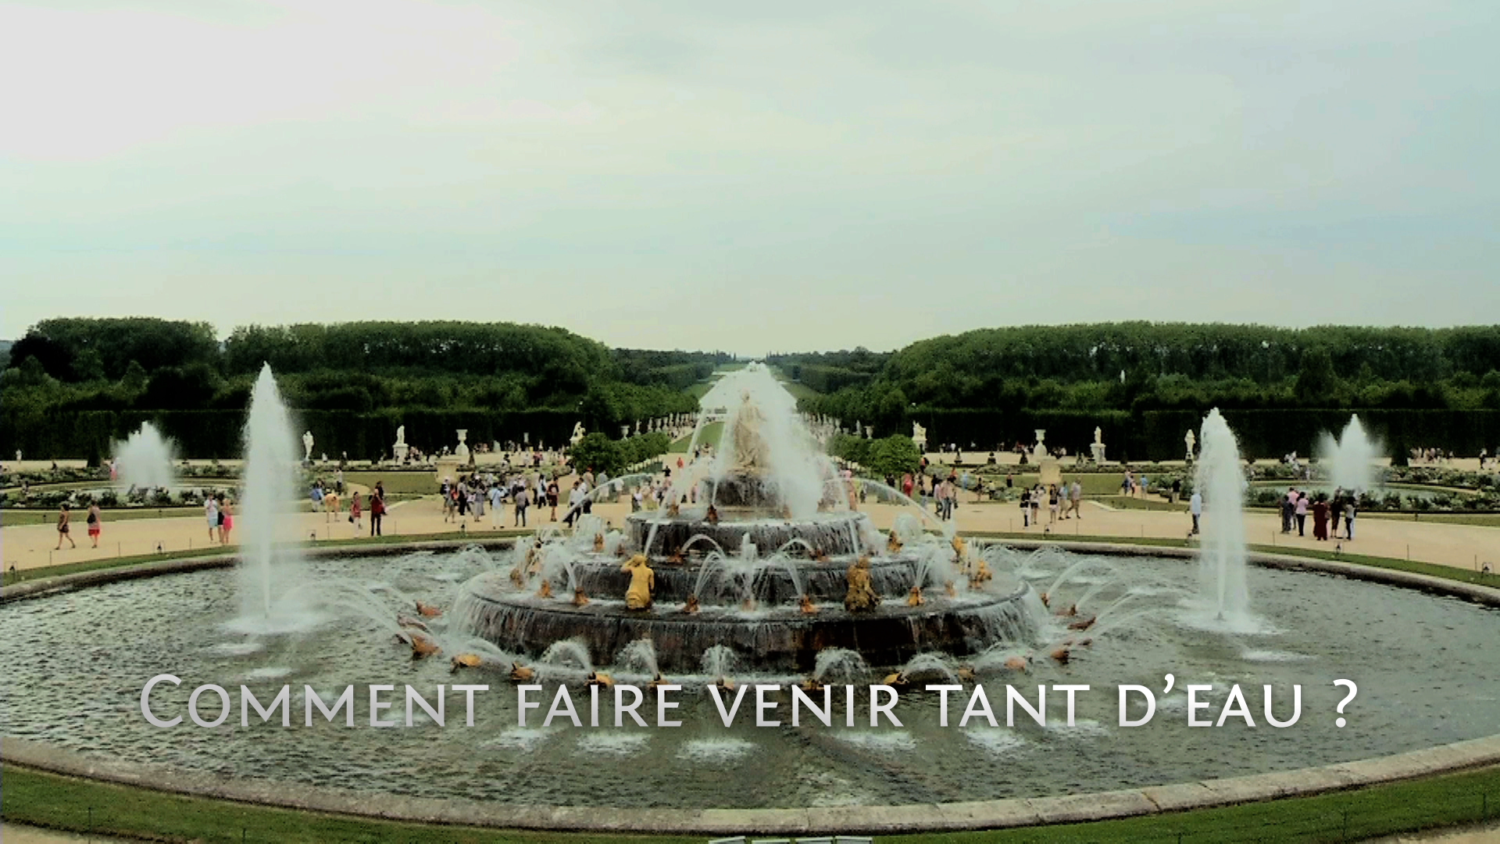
[712, 516]
[465, 661]
[692, 604]
[517, 578]
[579, 599]
[546, 590]
[598, 543]
[422, 645]
[950, 589]
[914, 597]
[807, 605]
[861, 596]
[521, 674]
[981, 574]
[428, 610]
[820, 556]
[893, 543]
[642, 583]
[599, 678]
[811, 684]
[676, 556]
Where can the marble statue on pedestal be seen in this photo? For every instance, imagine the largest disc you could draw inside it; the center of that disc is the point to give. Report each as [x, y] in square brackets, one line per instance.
[577, 433]
[1098, 445]
[400, 449]
[1191, 441]
[307, 444]
[919, 436]
[462, 452]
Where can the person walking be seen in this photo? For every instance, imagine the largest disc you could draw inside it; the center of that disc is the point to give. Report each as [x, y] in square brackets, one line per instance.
[64, 531]
[1075, 500]
[1195, 506]
[552, 495]
[497, 513]
[1302, 514]
[377, 510]
[575, 503]
[356, 513]
[1036, 504]
[95, 519]
[1025, 508]
[1054, 499]
[1336, 509]
[523, 500]
[1349, 518]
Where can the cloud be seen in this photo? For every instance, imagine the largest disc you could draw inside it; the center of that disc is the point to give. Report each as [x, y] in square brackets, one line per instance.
[769, 175]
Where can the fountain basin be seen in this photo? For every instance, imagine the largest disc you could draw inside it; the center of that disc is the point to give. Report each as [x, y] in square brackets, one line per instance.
[835, 533]
[601, 576]
[778, 639]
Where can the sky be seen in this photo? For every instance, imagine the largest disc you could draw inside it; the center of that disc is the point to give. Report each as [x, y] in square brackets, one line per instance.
[752, 177]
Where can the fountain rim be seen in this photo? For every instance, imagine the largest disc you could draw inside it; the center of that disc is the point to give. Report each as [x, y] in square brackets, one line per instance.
[925, 817]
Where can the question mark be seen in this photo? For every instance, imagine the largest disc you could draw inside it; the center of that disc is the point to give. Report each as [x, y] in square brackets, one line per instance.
[1353, 690]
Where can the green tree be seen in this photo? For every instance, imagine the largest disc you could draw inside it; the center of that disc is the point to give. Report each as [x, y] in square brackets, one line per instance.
[1316, 381]
[599, 452]
[893, 455]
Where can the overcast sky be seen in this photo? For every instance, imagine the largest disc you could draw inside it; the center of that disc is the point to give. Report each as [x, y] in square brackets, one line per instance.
[751, 176]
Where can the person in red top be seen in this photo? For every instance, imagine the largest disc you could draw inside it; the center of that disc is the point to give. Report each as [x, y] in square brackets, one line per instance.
[1320, 519]
[356, 513]
[377, 511]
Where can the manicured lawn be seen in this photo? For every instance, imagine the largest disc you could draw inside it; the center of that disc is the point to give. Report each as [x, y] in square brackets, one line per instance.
[1476, 519]
[116, 562]
[14, 518]
[424, 482]
[42, 799]
[712, 433]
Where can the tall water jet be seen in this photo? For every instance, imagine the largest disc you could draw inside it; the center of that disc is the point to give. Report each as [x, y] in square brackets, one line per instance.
[267, 559]
[1351, 458]
[144, 459]
[1221, 563]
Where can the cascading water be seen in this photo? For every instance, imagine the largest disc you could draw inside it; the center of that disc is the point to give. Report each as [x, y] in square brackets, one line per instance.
[144, 459]
[269, 599]
[1222, 559]
[1351, 458]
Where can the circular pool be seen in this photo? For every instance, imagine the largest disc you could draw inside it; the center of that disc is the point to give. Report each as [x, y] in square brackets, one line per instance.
[77, 662]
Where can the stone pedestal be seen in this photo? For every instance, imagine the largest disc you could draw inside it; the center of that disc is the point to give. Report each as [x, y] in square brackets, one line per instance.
[1051, 471]
[399, 451]
[450, 467]
[1098, 450]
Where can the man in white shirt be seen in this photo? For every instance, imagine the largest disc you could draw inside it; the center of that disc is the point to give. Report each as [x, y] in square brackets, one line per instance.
[495, 511]
[1195, 506]
[576, 499]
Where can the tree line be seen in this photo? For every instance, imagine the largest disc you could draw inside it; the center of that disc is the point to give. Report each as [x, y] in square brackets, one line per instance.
[993, 385]
[124, 368]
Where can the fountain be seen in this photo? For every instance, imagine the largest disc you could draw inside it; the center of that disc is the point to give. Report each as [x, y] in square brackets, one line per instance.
[269, 599]
[764, 576]
[1222, 561]
[1351, 458]
[144, 459]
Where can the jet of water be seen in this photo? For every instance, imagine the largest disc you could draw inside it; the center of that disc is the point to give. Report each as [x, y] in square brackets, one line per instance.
[144, 459]
[1351, 458]
[1222, 559]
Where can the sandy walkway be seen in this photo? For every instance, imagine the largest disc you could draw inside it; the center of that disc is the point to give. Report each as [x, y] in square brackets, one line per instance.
[1461, 546]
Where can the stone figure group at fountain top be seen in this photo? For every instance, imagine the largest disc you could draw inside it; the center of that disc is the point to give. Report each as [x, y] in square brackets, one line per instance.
[748, 443]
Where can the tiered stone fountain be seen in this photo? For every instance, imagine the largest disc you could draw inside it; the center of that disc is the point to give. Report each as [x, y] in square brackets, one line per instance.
[734, 564]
